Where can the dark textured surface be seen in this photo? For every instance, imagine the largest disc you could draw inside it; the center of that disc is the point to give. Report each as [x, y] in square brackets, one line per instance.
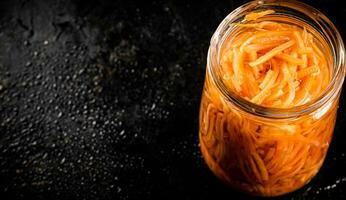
[100, 101]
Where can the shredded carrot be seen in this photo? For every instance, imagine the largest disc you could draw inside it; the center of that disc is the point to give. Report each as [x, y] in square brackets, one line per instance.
[258, 47]
[266, 79]
[291, 93]
[290, 59]
[307, 71]
[238, 66]
[254, 16]
[305, 50]
[270, 40]
[272, 53]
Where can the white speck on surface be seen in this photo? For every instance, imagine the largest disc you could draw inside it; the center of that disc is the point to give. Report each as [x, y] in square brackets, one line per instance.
[153, 106]
[28, 64]
[45, 155]
[59, 114]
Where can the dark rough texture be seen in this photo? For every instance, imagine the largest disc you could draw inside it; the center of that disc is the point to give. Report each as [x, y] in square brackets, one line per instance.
[100, 101]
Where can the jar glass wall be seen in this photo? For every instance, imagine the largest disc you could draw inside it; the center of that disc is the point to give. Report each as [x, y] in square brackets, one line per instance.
[260, 150]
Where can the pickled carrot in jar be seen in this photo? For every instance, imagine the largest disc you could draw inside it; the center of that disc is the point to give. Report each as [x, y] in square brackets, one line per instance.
[270, 64]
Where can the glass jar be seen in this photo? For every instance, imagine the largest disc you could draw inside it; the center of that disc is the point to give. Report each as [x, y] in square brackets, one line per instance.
[260, 150]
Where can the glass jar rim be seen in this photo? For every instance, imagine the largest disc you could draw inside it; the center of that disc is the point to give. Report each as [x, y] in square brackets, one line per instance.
[321, 23]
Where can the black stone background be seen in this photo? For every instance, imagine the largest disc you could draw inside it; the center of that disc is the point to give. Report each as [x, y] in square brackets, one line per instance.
[99, 100]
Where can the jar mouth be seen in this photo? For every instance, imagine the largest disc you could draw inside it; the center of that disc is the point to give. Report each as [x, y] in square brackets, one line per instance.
[299, 11]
